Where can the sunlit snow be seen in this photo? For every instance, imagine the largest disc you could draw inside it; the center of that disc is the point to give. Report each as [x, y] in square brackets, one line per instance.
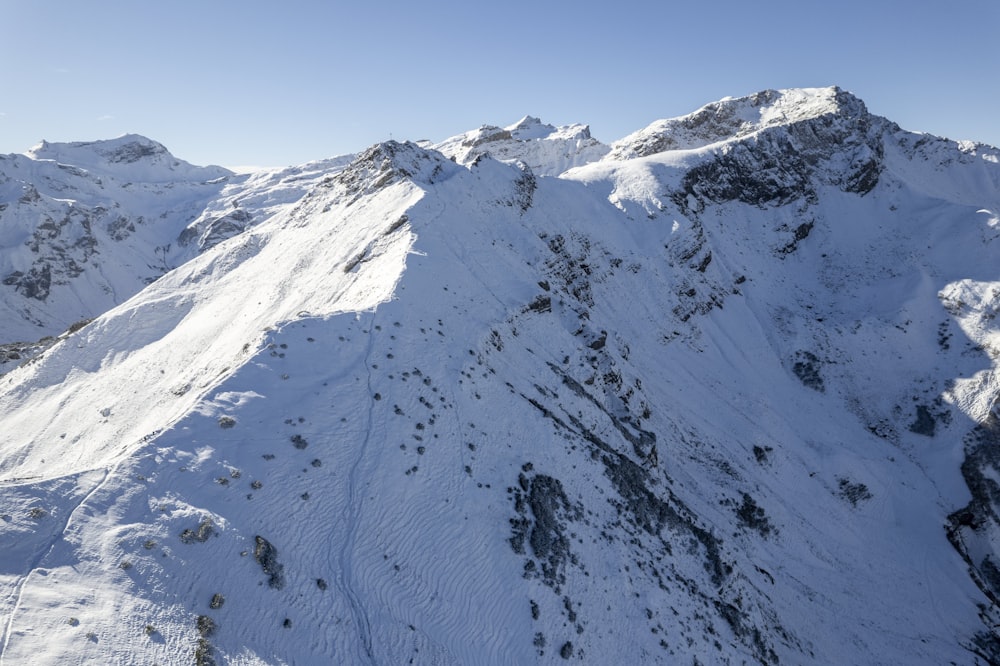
[722, 390]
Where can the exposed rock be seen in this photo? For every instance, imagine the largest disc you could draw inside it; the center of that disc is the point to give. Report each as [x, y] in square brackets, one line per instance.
[267, 557]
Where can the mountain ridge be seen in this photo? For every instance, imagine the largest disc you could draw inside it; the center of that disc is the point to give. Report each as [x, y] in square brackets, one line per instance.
[458, 410]
[736, 118]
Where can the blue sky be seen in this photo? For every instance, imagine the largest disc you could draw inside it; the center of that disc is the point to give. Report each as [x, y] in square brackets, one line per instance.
[269, 83]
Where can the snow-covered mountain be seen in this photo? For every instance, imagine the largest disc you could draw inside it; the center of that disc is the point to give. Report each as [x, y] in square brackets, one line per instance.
[724, 391]
[85, 226]
[546, 150]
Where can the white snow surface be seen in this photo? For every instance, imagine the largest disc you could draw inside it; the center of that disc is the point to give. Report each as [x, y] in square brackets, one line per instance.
[85, 226]
[735, 118]
[545, 149]
[690, 399]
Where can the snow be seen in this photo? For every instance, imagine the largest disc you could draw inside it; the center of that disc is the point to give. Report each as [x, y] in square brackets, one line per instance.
[250, 286]
[733, 118]
[465, 411]
[139, 157]
[92, 232]
[547, 150]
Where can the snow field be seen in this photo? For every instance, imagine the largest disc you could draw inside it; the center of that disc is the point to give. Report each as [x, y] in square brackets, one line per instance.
[467, 413]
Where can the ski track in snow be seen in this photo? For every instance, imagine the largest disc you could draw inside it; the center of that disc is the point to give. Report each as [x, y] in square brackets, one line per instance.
[354, 513]
[43, 553]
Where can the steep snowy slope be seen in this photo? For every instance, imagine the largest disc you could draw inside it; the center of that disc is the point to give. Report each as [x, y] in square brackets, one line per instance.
[705, 403]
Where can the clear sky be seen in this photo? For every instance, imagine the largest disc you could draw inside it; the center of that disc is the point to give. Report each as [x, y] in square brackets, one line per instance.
[275, 83]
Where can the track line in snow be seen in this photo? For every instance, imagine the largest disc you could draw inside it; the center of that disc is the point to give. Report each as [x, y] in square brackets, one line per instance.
[353, 510]
[43, 553]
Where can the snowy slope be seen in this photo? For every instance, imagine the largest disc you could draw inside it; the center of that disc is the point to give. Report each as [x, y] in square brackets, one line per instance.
[85, 226]
[731, 400]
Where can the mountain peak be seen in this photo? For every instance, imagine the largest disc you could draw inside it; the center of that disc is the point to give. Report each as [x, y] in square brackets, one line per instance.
[138, 156]
[738, 117]
[527, 121]
[529, 128]
[547, 149]
[780, 107]
[388, 162]
[127, 148]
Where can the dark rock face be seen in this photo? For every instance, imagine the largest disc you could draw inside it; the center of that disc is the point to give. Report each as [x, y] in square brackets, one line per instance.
[784, 164]
[981, 516]
[544, 513]
[35, 284]
[62, 246]
[807, 368]
[924, 423]
[487, 134]
[200, 534]
[267, 557]
[134, 151]
[974, 528]
[216, 230]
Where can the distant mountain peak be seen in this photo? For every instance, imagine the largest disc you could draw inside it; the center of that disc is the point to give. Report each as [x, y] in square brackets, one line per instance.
[529, 128]
[131, 155]
[546, 149]
[527, 121]
[127, 148]
[738, 117]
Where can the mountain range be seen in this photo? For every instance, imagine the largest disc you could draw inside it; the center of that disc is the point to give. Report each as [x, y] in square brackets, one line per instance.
[723, 391]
